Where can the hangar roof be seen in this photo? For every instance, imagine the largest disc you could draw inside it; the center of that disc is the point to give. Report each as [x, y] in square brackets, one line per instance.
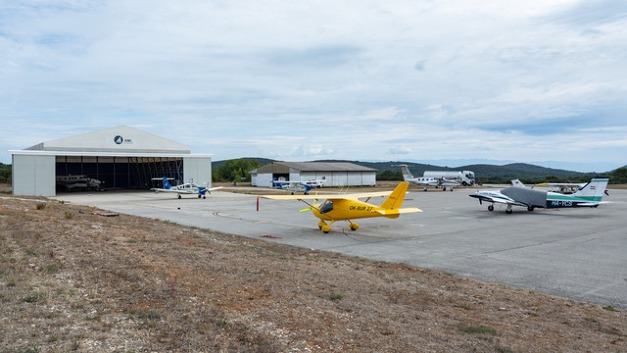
[116, 139]
[285, 167]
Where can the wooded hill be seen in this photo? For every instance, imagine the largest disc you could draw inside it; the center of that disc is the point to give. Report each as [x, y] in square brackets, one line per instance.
[484, 173]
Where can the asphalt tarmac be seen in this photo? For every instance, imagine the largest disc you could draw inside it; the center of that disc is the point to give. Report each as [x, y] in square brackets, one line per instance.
[574, 253]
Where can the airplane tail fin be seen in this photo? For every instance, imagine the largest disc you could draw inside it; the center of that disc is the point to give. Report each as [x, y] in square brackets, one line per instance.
[406, 173]
[518, 183]
[593, 190]
[395, 200]
[166, 184]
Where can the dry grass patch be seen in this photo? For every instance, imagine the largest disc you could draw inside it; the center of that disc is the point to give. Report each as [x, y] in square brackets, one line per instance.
[89, 283]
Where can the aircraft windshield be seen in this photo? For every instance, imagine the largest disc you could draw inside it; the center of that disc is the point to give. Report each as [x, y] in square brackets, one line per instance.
[327, 207]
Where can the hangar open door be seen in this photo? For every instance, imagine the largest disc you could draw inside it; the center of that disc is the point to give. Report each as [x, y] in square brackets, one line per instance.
[86, 172]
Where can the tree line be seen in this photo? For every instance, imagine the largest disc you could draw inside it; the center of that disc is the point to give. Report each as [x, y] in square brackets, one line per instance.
[234, 170]
[5, 173]
[238, 170]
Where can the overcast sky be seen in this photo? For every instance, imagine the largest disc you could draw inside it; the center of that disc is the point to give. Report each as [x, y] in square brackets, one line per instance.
[526, 81]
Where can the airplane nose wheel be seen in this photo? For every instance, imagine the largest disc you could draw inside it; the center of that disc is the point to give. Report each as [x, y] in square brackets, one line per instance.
[325, 228]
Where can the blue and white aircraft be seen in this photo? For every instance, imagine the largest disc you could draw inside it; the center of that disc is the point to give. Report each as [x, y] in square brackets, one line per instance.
[590, 195]
[298, 186]
[186, 188]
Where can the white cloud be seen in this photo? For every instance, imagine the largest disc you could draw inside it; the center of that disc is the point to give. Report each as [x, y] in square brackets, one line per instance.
[347, 80]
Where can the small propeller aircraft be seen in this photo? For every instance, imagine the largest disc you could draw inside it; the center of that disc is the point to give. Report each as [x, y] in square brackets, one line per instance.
[348, 206]
[590, 195]
[427, 181]
[186, 188]
[298, 186]
[563, 188]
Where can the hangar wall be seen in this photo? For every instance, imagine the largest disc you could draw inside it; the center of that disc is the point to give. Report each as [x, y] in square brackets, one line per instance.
[342, 178]
[34, 175]
[119, 158]
[198, 169]
[263, 180]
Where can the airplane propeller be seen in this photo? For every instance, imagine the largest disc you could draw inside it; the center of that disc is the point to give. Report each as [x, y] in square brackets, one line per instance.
[311, 205]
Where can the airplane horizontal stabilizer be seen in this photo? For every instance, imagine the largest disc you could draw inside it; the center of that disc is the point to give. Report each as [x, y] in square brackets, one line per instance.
[399, 211]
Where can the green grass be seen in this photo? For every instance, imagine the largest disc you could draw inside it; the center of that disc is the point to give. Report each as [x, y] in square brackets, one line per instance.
[611, 308]
[336, 296]
[479, 329]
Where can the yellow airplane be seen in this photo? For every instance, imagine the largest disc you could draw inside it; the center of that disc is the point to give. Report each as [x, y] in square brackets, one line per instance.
[348, 207]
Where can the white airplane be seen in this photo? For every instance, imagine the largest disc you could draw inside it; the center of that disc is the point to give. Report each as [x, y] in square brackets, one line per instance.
[186, 188]
[563, 188]
[427, 181]
[81, 182]
[298, 186]
[590, 195]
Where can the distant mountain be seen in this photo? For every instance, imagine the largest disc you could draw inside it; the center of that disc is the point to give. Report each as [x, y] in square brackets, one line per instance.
[483, 172]
[583, 167]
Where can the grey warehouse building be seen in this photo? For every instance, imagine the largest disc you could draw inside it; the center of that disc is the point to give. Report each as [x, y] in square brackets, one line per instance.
[333, 173]
[121, 158]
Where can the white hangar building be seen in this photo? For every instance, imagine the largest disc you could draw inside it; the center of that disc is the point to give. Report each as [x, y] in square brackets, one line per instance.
[120, 158]
[333, 174]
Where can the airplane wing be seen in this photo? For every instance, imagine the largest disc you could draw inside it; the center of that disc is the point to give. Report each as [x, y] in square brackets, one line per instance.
[559, 184]
[327, 196]
[399, 211]
[173, 190]
[496, 198]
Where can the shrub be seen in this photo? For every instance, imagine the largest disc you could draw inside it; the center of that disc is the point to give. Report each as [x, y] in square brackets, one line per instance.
[479, 329]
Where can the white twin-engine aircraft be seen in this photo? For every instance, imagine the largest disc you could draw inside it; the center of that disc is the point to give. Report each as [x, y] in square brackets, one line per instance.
[427, 181]
[589, 195]
[186, 188]
[298, 186]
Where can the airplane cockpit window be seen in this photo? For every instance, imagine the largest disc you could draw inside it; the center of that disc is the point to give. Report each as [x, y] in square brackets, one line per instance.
[327, 207]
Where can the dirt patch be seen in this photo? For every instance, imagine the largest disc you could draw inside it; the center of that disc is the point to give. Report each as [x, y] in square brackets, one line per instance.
[72, 279]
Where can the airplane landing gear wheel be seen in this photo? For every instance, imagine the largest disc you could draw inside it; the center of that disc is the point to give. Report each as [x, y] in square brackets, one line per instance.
[491, 208]
[354, 226]
[179, 196]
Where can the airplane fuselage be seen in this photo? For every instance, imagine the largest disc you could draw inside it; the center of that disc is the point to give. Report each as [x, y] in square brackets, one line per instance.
[343, 209]
[530, 198]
